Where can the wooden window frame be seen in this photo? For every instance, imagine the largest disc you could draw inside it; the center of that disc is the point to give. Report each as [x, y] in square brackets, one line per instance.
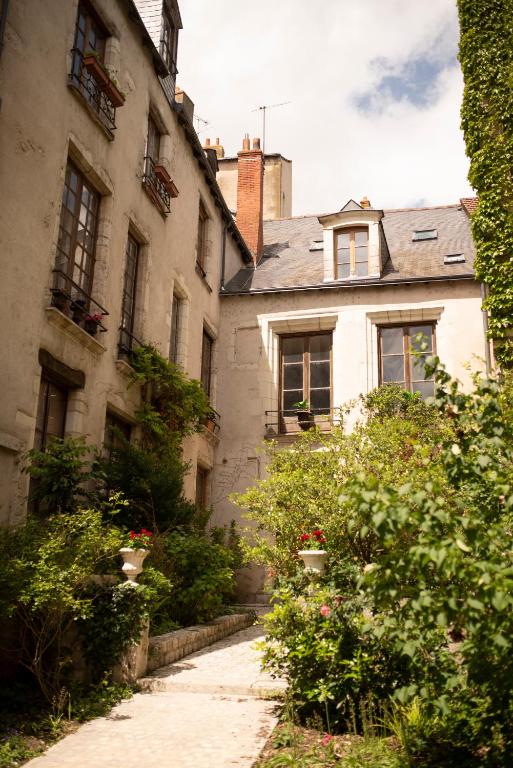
[168, 41]
[45, 388]
[66, 259]
[201, 243]
[129, 295]
[206, 369]
[176, 328]
[153, 137]
[202, 475]
[407, 356]
[351, 231]
[289, 423]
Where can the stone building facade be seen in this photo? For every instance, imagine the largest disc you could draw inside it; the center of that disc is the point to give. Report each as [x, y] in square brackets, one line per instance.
[112, 226]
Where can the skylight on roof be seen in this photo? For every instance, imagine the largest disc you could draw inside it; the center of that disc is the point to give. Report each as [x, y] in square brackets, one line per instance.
[425, 234]
[454, 258]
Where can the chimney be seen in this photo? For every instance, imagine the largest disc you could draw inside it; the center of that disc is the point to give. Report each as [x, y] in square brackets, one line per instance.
[250, 196]
[219, 149]
[365, 202]
[187, 105]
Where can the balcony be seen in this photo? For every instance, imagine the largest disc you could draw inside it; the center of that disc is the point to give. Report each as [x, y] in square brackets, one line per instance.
[100, 93]
[127, 344]
[280, 423]
[73, 302]
[158, 185]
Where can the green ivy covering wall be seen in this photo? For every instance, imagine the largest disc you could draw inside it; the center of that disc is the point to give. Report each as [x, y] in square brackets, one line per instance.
[486, 56]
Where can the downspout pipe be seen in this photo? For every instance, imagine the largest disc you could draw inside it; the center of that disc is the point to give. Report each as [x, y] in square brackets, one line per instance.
[484, 313]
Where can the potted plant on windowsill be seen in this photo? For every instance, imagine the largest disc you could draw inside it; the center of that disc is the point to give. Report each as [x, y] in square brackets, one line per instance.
[92, 323]
[135, 551]
[312, 553]
[210, 421]
[78, 311]
[305, 417]
[60, 300]
[103, 78]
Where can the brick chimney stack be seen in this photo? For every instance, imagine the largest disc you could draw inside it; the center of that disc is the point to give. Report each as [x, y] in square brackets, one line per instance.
[250, 196]
[365, 202]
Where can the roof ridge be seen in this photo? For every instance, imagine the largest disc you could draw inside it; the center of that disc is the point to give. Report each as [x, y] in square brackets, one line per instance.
[385, 210]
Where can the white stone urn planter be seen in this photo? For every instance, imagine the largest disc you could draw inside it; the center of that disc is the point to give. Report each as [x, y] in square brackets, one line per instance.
[314, 560]
[133, 561]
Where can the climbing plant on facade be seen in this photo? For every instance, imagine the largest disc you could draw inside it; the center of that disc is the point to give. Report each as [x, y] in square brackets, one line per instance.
[486, 56]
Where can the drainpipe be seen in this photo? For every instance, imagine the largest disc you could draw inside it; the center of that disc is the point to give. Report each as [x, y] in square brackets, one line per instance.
[223, 255]
[484, 313]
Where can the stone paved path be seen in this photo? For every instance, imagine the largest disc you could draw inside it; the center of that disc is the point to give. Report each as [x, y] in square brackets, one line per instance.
[201, 712]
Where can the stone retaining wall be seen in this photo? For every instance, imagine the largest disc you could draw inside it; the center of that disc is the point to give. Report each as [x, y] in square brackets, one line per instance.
[165, 649]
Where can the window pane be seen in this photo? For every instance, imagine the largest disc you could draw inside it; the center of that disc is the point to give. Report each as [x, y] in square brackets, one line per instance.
[361, 253]
[320, 400]
[426, 388]
[360, 238]
[293, 376]
[391, 341]
[320, 374]
[320, 347]
[362, 268]
[292, 349]
[343, 270]
[427, 333]
[343, 239]
[343, 256]
[290, 398]
[418, 368]
[393, 368]
[56, 412]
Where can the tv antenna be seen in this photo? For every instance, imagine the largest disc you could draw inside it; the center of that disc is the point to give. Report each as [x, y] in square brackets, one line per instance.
[200, 120]
[264, 109]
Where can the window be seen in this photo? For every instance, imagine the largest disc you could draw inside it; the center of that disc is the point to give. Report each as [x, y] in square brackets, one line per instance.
[399, 364]
[206, 362]
[51, 413]
[77, 236]
[88, 73]
[352, 246]
[156, 179]
[176, 329]
[168, 42]
[306, 373]
[128, 306]
[201, 246]
[425, 234]
[202, 478]
[116, 431]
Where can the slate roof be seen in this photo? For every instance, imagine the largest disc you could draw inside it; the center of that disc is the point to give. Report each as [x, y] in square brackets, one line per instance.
[289, 263]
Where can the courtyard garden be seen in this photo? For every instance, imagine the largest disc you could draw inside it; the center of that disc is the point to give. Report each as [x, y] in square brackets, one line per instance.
[400, 653]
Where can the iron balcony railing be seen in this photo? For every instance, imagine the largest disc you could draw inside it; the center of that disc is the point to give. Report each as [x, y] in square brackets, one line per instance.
[155, 187]
[127, 343]
[212, 422]
[92, 91]
[71, 299]
[322, 417]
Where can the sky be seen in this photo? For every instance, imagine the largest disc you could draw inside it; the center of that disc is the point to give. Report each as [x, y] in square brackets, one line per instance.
[374, 88]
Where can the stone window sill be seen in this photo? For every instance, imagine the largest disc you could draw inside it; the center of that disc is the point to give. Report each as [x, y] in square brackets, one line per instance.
[59, 320]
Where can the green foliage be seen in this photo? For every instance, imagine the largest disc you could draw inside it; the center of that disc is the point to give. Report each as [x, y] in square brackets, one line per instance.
[398, 437]
[45, 569]
[201, 571]
[175, 406]
[115, 621]
[486, 56]
[60, 475]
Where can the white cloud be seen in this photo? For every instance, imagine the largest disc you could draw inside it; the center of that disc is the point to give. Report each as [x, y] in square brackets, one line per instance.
[235, 56]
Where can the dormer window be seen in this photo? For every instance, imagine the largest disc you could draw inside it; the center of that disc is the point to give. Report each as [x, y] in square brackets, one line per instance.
[352, 252]
[425, 234]
[168, 42]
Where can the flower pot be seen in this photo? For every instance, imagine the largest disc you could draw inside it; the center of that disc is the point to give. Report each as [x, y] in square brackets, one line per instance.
[60, 300]
[133, 561]
[78, 310]
[91, 326]
[95, 69]
[305, 419]
[117, 99]
[314, 561]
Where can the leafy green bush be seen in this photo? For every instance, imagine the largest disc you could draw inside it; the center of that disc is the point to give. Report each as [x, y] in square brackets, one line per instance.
[201, 572]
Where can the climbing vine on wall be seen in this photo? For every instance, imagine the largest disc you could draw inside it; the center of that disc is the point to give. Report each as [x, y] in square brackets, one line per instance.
[486, 56]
